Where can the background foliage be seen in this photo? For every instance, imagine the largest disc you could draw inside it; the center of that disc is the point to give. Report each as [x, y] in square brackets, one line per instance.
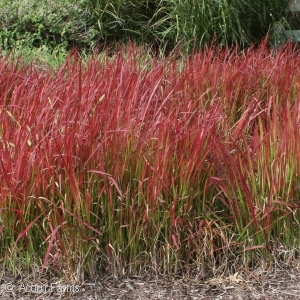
[83, 24]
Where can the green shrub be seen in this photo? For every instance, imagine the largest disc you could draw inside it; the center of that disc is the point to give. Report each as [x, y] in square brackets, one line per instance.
[38, 23]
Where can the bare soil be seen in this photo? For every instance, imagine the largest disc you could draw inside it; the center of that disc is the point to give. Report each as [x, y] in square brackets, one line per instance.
[281, 284]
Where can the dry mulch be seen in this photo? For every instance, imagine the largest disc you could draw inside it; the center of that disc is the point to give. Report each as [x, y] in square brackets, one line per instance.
[282, 284]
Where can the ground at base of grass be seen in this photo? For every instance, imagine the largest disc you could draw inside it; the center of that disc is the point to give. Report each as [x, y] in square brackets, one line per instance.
[259, 284]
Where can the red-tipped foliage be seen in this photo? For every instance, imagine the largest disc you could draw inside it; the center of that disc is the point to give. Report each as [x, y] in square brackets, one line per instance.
[141, 157]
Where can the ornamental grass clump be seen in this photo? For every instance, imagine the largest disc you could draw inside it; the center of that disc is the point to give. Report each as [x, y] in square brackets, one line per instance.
[257, 157]
[132, 162]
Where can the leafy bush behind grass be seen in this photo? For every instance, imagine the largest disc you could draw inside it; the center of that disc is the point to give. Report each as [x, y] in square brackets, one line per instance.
[38, 23]
[86, 23]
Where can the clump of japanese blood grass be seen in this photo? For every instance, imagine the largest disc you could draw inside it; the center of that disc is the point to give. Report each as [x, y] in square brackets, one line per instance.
[257, 156]
[100, 159]
[139, 165]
